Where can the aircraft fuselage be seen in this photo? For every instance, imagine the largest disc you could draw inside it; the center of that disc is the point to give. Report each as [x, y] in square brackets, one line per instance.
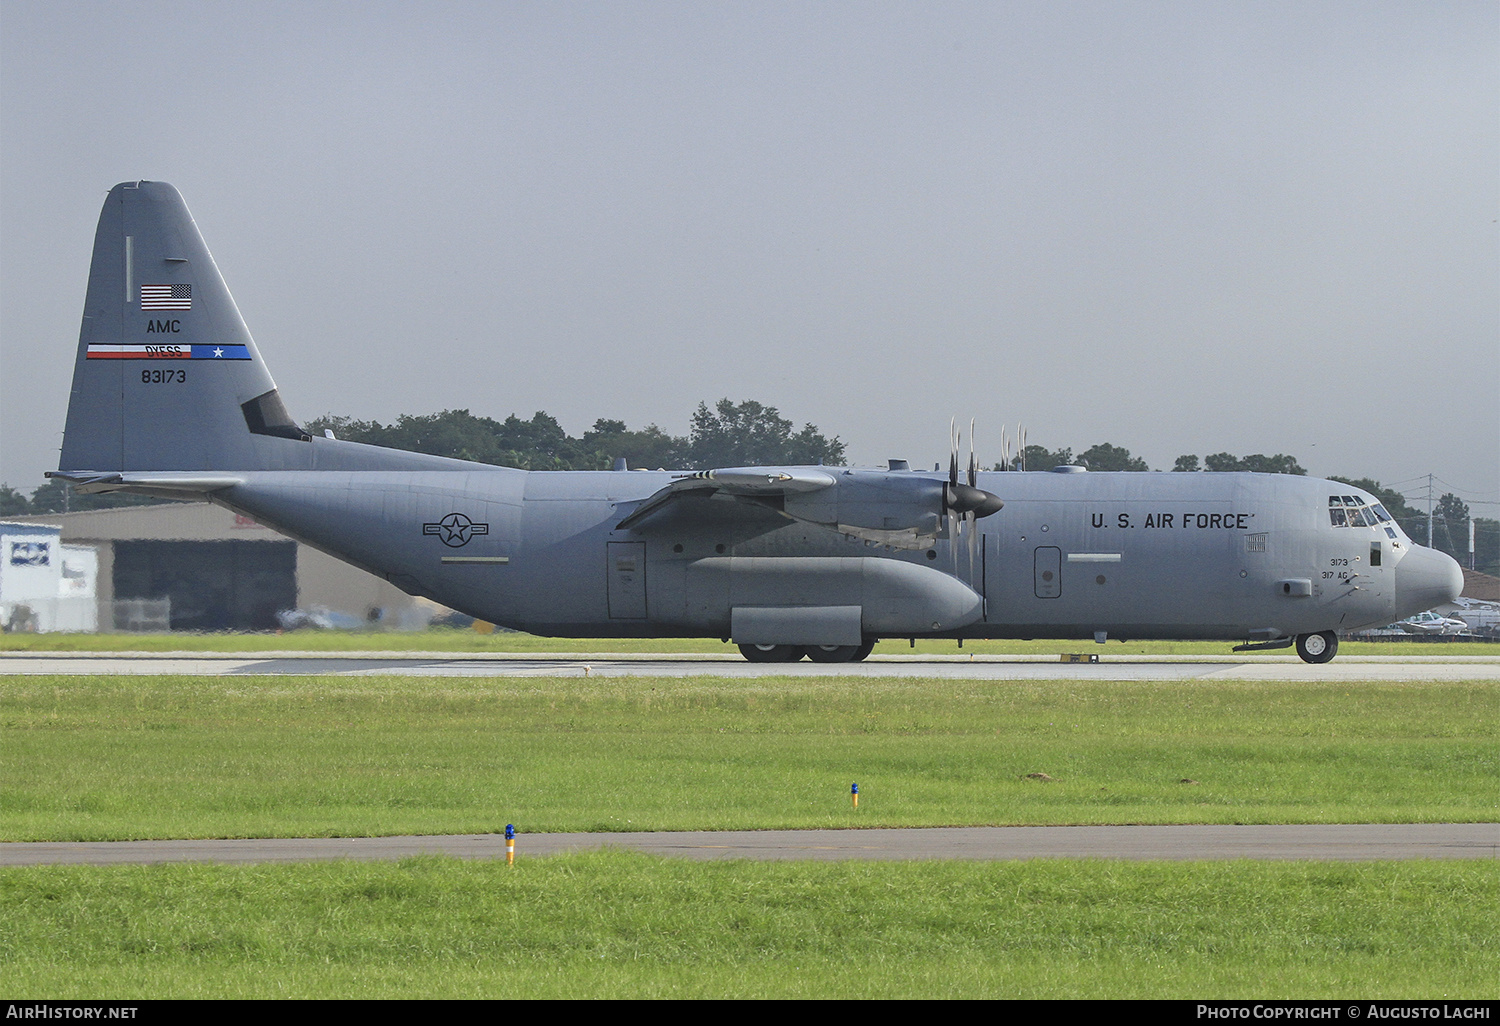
[1229, 556]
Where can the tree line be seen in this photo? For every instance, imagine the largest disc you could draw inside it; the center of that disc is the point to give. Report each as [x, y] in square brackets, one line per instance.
[1104, 456]
[749, 433]
[729, 434]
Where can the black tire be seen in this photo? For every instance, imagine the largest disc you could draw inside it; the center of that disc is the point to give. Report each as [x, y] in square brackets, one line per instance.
[771, 653]
[833, 653]
[1317, 648]
[864, 650]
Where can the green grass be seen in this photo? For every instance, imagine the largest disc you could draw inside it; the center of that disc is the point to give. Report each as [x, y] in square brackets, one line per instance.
[89, 757]
[618, 925]
[449, 640]
[136, 757]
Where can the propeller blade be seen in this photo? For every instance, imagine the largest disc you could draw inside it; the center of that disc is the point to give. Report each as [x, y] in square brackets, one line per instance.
[953, 443]
[973, 525]
[973, 470]
[965, 503]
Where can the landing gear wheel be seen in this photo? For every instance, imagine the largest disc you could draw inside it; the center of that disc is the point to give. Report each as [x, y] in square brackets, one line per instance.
[863, 650]
[833, 653]
[1317, 648]
[771, 653]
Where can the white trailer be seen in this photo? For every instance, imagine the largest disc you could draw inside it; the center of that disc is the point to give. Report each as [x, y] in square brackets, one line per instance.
[44, 584]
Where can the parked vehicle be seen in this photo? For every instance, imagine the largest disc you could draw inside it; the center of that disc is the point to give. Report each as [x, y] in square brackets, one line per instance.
[1479, 615]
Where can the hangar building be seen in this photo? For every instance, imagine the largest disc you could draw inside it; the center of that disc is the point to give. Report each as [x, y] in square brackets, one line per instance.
[219, 571]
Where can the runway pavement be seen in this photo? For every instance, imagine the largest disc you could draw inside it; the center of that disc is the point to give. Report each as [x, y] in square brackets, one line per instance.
[976, 667]
[1336, 842]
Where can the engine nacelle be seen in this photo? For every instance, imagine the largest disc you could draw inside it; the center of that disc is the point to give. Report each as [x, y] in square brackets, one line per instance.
[899, 509]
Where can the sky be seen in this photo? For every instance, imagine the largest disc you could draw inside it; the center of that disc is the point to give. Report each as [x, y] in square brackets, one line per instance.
[1176, 227]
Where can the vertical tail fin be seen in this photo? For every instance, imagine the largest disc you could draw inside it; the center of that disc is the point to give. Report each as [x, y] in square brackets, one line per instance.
[167, 376]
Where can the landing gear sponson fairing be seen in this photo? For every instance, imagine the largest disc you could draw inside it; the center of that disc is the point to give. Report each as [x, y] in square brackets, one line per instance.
[171, 398]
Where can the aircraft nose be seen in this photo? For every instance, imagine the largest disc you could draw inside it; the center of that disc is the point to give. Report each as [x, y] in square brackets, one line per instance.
[1426, 578]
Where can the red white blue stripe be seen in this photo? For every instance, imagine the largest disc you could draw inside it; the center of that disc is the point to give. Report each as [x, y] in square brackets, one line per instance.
[167, 351]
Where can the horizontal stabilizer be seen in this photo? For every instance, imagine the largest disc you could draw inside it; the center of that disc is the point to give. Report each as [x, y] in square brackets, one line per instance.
[161, 486]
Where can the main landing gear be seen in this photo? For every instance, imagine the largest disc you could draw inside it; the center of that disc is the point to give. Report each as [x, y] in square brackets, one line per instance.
[817, 653]
[1317, 648]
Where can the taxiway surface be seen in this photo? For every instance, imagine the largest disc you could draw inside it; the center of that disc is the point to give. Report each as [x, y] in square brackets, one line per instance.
[977, 667]
[1335, 842]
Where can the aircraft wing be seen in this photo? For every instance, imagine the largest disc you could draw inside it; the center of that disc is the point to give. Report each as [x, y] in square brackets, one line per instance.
[750, 483]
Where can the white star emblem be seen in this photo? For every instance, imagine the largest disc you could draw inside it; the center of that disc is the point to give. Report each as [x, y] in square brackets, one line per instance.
[455, 529]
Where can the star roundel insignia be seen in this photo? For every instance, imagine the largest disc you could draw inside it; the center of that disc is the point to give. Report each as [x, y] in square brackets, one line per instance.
[455, 529]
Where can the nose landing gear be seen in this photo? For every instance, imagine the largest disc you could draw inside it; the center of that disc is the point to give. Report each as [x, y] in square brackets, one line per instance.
[1317, 648]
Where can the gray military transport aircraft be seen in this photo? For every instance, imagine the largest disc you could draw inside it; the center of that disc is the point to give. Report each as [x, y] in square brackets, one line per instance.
[171, 399]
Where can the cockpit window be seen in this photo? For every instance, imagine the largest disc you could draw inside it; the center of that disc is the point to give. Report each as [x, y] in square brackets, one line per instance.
[1350, 511]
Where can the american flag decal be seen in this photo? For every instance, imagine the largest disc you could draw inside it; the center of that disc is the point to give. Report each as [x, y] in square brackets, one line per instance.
[166, 297]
